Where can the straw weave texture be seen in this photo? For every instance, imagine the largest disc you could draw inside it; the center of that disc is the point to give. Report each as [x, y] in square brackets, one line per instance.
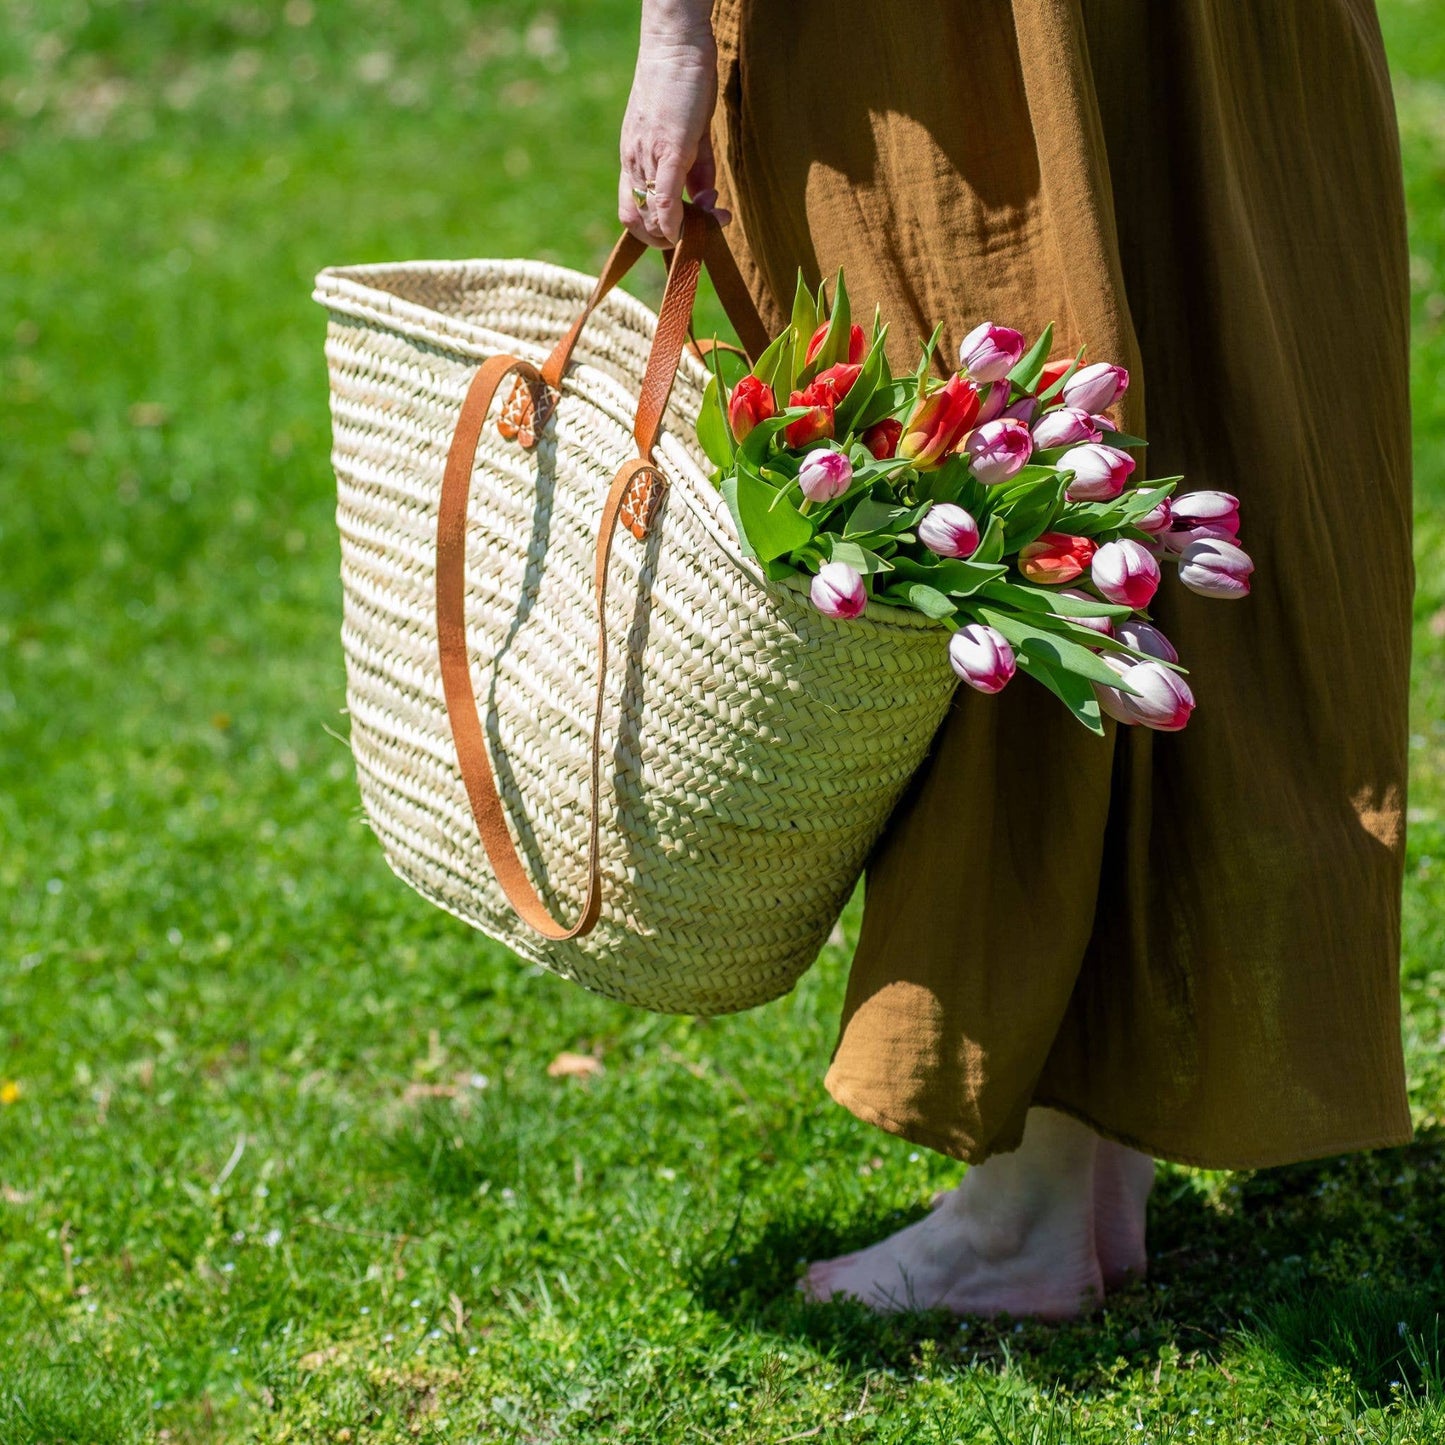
[753, 748]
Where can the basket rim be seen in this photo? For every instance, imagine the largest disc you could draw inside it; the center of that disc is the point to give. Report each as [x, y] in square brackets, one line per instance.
[350, 291]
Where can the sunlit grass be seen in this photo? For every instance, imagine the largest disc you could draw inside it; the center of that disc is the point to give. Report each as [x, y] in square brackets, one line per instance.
[280, 1158]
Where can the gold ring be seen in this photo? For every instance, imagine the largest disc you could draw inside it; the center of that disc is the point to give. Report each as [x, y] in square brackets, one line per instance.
[640, 195]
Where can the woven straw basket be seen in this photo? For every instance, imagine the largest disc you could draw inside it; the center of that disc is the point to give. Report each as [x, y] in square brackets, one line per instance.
[701, 798]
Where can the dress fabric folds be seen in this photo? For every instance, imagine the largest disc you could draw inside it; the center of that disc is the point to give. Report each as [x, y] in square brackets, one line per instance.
[1190, 941]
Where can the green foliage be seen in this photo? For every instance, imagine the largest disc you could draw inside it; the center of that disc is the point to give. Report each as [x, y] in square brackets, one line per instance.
[285, 1159]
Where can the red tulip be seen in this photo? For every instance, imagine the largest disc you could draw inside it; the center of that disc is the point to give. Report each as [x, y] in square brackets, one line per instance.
[857, 344]
[840, 377]
[938, 422]
[821, 401]
[752, 401]
[1052, 371]
[1056, 557]
[882, 438]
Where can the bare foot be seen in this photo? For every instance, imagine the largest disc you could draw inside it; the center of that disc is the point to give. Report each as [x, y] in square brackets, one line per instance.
[1123, 1178]
[1016, 1237]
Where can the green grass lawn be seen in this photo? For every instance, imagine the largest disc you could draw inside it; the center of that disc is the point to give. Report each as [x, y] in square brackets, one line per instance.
[280, 1158]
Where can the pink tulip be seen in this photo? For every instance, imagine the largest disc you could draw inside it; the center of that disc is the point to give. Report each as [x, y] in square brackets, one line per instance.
[1024, 410]
[1099, 471]
[1095, 388]
[1104, 625]
[981, 656]
[949, 531]
[1157, 519]
[1214, 567]
[998, 450]
[825, 474]
[990, 352]
[1162, 699]
[993, 402]
[1145, 637]
[1125, 572]
[1064, 426]
[1217, 510]
[838, 591]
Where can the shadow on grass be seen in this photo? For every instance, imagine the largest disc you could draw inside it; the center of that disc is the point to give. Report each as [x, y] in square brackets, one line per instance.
[1336, 1263]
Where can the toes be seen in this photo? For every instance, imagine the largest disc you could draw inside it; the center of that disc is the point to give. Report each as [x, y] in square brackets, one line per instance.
[814, 1283]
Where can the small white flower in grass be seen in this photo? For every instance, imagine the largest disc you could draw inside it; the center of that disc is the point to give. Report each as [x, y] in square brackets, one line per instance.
[271, 1238]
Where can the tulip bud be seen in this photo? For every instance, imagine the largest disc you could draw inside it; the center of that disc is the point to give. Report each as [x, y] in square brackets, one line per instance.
[981, 656]
[1125, 572]
[1214, 567]
[1102, 625]
[1056, 557]
[1176, 539]
[994, 401]
[998, 450]
[949, 531]
[882, 438]
[1097, 387]
[818, 423]
[837, 591]
[1217, 510]
[1099, 472]
[751, 401]
[990, 352]
[1024, 410]
[1162, 699]
[937, 423]
[857, 344]
[840, 378]
[1064, 426]
[1156, 519]
[1145, 637]
[825, 474]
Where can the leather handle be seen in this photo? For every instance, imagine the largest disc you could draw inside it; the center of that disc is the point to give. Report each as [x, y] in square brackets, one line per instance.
[631, 495]
[727, 280]
[462, 714]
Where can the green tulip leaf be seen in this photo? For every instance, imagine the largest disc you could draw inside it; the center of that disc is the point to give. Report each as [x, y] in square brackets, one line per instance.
[865, 559]
[1026, 373]
[1074, 692]
[766, 517]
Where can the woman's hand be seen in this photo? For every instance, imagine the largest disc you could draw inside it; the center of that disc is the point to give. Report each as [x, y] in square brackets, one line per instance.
[665, 141]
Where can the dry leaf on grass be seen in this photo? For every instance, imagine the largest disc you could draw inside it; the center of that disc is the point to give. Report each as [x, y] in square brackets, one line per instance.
[573, 1066]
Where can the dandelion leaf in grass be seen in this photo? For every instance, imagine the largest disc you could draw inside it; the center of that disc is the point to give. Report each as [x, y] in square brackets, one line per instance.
[1031, 364]
[1074, 692]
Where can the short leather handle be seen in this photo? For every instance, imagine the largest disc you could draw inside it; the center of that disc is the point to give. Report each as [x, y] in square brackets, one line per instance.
[727, 280]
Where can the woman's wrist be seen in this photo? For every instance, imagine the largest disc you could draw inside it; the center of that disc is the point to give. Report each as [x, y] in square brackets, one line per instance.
[677, 25]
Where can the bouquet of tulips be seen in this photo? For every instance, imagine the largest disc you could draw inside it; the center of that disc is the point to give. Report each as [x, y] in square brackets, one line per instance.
[997, 501]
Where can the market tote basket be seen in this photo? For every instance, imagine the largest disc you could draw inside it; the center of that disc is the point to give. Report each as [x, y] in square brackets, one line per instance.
[618, 749]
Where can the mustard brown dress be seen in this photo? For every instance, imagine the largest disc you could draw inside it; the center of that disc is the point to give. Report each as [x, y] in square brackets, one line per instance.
[1190, 941]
